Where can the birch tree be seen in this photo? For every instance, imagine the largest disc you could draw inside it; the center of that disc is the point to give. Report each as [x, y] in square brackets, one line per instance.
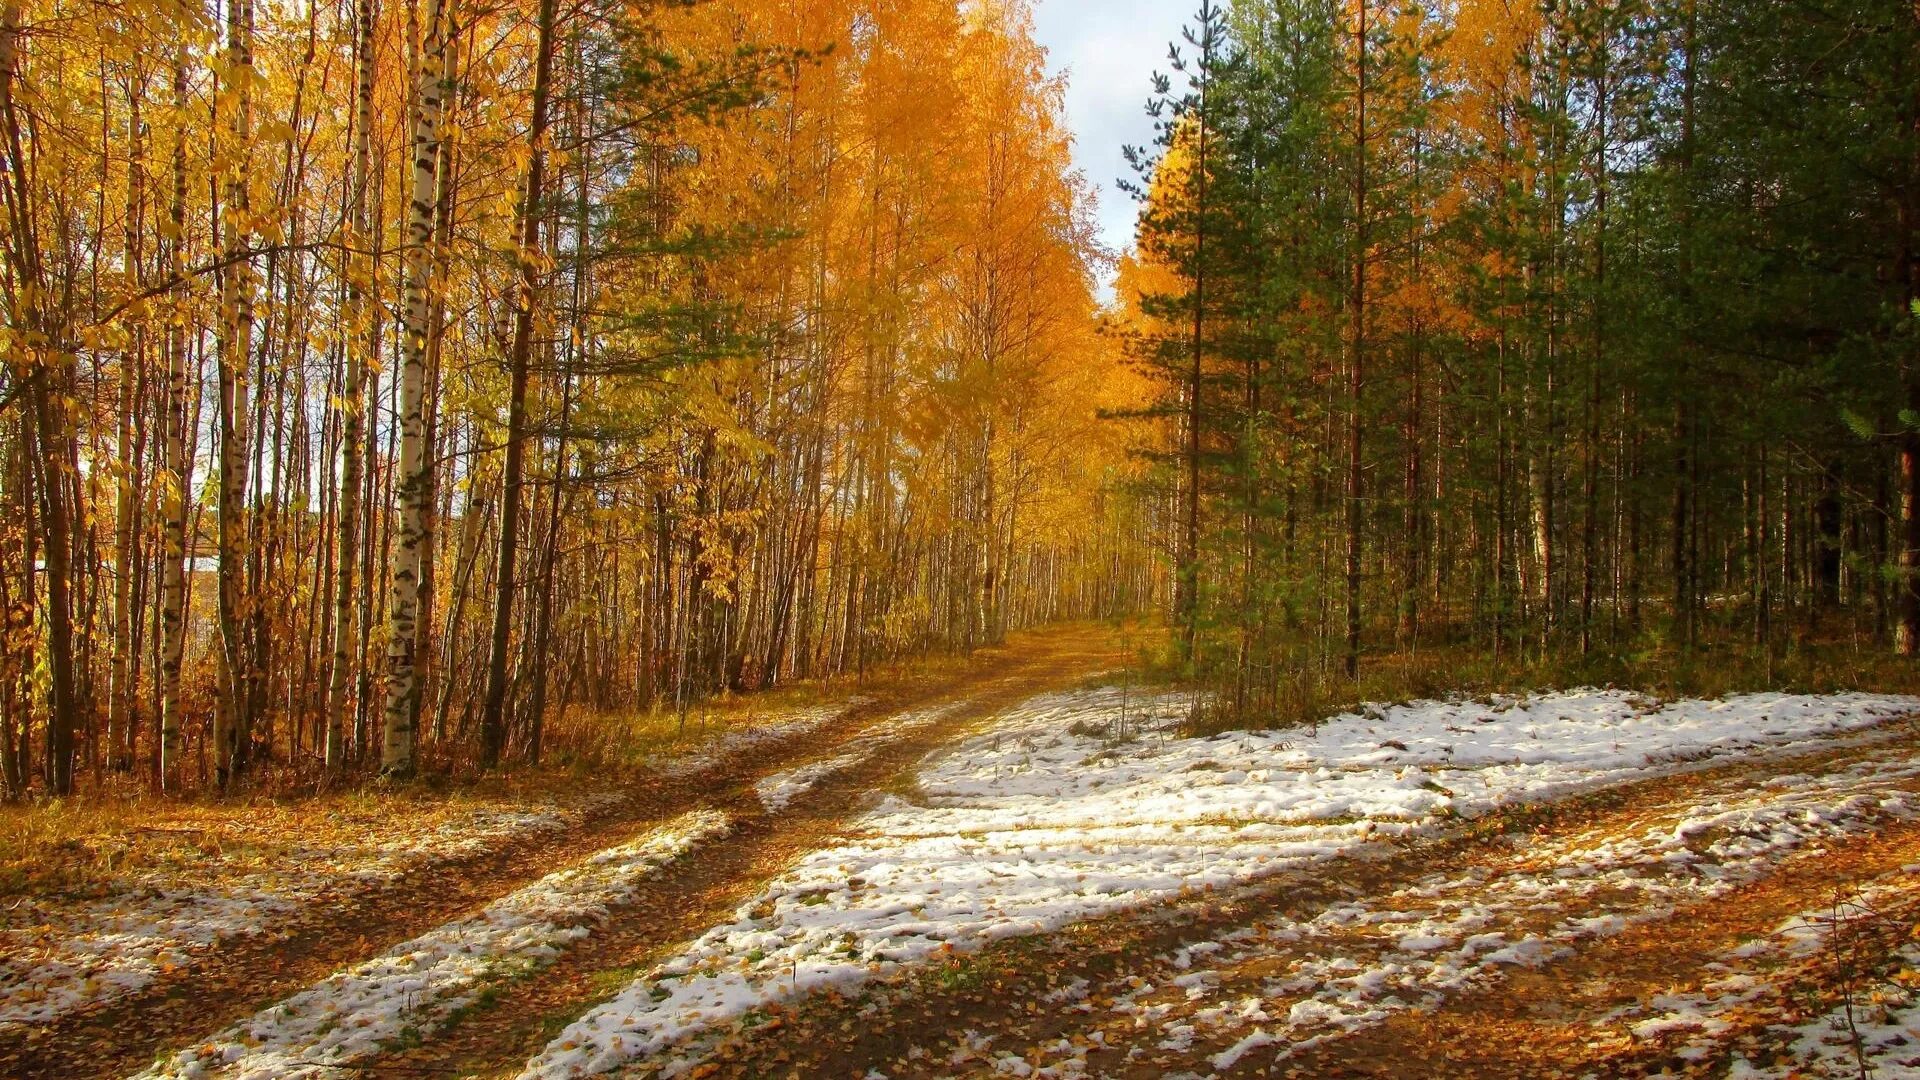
[410, 488]
[176, 454]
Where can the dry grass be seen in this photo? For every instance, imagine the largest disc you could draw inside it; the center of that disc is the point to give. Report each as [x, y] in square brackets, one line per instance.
[584, 739]
[91, 846]
[1724, 662]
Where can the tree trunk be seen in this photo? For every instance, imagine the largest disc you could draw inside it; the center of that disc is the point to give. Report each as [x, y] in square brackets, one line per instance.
[48, 378]
[233, 722]
[410, 485]
[362, 344]
[1907, 275]
[493, 727]
[176, 458]
[128, 488]
[1683, 511]
[1187, 587]
[1357, 358]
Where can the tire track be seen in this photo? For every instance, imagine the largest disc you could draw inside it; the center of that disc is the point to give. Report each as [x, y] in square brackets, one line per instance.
[232, 982]
[499, 1033]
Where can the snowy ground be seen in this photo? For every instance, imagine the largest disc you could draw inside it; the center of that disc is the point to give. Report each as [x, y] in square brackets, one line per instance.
[777, 790]
[416, 986]
[1879, 1028]
[1865, 1017]
[58, 955]
[1049, 819]
[98, 950]
[1291, 984]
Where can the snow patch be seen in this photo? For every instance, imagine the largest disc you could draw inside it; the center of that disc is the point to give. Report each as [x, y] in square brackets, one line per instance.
[116, 947]
[1048, 819]
[781, 788]
[415, 986]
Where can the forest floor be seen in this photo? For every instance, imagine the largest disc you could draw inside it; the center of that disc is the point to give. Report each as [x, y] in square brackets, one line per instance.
[1024, 869]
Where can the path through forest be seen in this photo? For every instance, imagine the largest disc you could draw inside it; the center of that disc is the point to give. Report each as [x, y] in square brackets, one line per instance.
[1587, 883]
[215, 986]
[1025, 870]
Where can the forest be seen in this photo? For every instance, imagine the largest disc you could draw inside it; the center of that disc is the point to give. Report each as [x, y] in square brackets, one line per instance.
[382, 381]
[670, 538]
[1556, 329]
[381, 378]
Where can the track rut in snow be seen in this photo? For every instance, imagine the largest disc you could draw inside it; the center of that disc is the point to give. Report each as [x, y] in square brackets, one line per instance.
[227, 983]
[820, 784]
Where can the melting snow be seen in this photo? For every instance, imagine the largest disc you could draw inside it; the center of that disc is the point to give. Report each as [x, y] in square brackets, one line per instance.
[416, 985]
[1878, 1037]
[781, 788]
[1877, 1032]
[1047, 820]
[108, 949]
[118, 946]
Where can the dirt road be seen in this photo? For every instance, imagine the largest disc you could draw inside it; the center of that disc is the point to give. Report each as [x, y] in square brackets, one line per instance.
[1012, 874]
[228, 984]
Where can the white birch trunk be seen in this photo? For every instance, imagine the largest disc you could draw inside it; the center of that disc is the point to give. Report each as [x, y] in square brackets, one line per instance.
[410, 488]
[232, 722]
[128, 491]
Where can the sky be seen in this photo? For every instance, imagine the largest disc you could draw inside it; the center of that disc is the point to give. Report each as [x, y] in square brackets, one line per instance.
[1108, 50]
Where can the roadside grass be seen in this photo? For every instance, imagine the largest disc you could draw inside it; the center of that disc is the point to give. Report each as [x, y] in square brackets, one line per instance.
[905, 786]
[77, 848]
[588, 740]
[585, 740]
[595, 988]
[1815, 660]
